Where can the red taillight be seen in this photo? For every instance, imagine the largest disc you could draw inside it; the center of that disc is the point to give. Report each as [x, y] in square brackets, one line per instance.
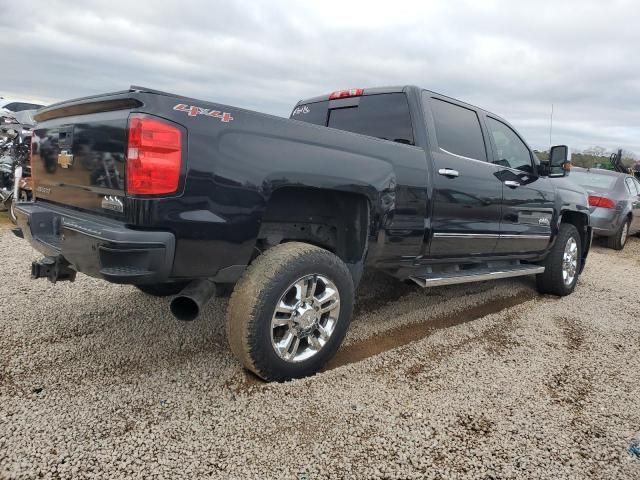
[603, 202]
[154, 155]
[354, 92]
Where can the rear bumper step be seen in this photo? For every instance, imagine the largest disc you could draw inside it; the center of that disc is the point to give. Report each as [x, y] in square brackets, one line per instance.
[467, 276]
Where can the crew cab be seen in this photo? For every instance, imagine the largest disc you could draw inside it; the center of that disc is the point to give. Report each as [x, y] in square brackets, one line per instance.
[183, 197]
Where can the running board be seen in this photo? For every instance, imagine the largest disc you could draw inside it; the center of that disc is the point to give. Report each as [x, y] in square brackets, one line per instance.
[462, 276]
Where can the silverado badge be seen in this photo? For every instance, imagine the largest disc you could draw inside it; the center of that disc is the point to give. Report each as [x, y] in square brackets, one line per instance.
[64, 159]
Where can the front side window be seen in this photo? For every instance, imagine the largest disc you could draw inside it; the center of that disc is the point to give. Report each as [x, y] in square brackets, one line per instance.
[510, 150]
[458, 130]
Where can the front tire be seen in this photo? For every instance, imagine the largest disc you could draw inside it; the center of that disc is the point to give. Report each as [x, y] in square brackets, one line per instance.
[618, 240]
[562, 263]
[290, 311]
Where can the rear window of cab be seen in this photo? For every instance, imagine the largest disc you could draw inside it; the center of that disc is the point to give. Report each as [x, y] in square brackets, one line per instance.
[384, 116]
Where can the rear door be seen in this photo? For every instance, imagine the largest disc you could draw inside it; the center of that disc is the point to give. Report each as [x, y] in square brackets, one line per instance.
[386, 116]
[527, 199]
[467, 194]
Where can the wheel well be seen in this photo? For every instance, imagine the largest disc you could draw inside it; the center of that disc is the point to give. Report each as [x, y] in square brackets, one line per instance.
[581, 222]
[336, 221]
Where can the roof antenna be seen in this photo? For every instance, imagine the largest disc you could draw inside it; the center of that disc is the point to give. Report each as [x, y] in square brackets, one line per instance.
[551, 127]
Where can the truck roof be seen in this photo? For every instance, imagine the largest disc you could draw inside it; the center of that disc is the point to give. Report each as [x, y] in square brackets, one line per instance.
[394, 89]
[367, 91]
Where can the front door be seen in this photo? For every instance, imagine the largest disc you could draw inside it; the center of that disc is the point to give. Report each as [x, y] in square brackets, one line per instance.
[467, 194]
[527, 199]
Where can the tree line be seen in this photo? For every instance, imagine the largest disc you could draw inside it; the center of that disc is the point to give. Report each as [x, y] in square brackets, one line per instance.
[597, 157]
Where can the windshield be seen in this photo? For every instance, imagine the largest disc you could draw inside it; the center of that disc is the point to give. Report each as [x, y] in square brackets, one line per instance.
[25, 117]
[593, 180]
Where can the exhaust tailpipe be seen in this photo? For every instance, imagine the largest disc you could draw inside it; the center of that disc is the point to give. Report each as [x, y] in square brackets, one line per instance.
[190, 301]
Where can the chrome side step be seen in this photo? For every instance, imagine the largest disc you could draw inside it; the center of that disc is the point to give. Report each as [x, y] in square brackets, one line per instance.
[466, 276]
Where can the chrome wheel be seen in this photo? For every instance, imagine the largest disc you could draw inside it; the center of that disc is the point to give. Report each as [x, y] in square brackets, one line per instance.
[305, 317]
[624, 233]
[570, 261]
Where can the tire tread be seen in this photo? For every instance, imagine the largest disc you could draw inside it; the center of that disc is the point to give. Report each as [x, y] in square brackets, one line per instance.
[551, 280]
[248, 300]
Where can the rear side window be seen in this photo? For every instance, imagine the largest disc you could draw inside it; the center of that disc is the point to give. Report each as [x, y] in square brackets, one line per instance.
[383, 116]
[458, 130]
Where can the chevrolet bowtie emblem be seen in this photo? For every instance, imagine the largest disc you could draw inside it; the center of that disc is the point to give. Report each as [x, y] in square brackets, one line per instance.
[64, 159]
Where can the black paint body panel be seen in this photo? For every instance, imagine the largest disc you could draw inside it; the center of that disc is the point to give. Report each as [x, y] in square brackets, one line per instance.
[231, 169]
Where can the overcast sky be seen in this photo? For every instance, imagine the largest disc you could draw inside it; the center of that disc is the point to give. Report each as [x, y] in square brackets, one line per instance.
[514, 58]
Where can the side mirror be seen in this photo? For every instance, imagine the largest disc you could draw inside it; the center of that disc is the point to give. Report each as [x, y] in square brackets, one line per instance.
[559, 165]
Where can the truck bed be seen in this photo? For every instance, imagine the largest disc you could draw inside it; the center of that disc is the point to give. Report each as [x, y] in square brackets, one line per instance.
[232, 162]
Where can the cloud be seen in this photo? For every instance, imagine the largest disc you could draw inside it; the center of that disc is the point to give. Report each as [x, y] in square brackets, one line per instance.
[513, 58]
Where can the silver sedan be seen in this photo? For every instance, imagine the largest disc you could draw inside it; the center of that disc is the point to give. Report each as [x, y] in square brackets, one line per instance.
[614, 202]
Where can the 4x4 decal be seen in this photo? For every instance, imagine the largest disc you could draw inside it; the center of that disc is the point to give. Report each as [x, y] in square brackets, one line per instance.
[193, 111]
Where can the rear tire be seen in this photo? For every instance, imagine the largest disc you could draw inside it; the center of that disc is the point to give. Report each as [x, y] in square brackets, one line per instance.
[162, 289]
[561, 273]
[314, 292]
[618, 240]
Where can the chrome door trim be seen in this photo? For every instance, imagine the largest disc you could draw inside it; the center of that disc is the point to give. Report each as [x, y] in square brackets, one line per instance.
[466, 235]
[489, 235]
[528, 237]
[463, 157]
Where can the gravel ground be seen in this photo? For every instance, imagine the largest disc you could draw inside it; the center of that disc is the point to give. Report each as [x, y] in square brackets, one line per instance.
[479, 381]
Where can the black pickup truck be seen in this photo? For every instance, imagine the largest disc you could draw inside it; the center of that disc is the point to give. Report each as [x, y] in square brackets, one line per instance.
[183, 197]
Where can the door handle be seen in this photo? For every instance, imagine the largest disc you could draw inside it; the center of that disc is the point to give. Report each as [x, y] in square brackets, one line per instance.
[511, 183]
[448, 172]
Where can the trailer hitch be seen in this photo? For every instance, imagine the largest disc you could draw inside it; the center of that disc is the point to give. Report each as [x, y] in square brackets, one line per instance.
[56, 269]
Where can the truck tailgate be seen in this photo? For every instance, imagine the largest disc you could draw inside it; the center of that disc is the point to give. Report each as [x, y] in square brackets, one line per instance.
[78, 154]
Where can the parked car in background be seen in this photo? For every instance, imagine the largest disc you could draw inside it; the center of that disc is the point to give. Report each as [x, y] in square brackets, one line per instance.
[16, 130]
[614, 202]
[11, 105]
